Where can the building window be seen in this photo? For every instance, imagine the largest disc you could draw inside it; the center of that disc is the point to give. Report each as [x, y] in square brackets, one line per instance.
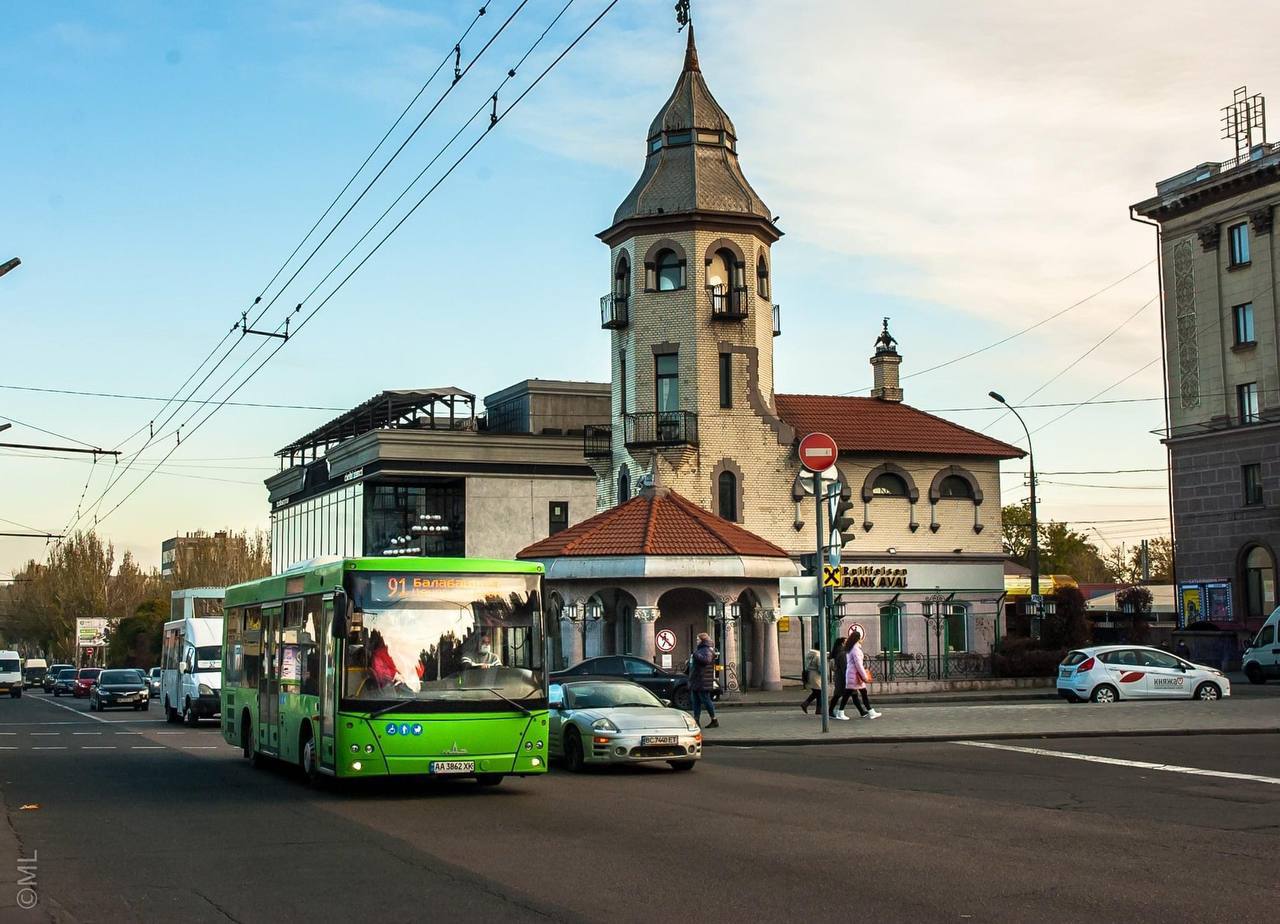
[622, 277]
[1238, 235]
[953, 486]
[1252, 483]
[727, 487]
[670, 271]
[762, 277]
[889, 485]
[624, 485]
[557, 516]
[726, 380]
[417, 519]
[957, 627]
[1247, 401]
[666, 382]
[1259, 583]
[891, 629]
[1244, 324]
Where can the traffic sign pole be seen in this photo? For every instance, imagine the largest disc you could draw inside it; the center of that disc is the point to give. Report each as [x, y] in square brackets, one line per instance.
[823, 704]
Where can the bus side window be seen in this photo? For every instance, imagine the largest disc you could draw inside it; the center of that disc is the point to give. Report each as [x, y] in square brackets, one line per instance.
[252, 645]
[233, 663]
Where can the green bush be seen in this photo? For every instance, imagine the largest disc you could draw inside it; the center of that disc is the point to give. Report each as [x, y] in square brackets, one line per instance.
[1025, 657]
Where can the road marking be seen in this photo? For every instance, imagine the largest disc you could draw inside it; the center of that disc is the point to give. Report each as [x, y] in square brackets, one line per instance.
[60, 747]
[146, 747]
[86, 733]
[43, 734]
[1117, 762]
[200, 747]
[6, 748]
[98, 747]
[170, 733]
[128, 733]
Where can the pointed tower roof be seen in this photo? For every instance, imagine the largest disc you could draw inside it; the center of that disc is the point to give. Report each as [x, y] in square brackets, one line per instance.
[692, 158]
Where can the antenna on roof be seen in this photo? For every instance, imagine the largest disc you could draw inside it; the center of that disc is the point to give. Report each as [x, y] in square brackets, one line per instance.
[683, 15]
[1245, 116]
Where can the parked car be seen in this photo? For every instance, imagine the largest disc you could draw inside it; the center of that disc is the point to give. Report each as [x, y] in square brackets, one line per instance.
[11, 673]
[153, 681]
[51, 675]
[123, 687]
[605, 721]
[1107, 673]
[33, 671]
[1262, 658]
[86, 677]
[66, 682]
[663, 683]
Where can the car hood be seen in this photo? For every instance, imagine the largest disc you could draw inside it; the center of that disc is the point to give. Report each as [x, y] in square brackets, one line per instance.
[637, 718]
[121, 687]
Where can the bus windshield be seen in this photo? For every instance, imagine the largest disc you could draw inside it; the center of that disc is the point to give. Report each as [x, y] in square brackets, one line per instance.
[445, 642]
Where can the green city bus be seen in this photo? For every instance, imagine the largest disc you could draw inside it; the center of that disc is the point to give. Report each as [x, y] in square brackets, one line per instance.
[368, 667]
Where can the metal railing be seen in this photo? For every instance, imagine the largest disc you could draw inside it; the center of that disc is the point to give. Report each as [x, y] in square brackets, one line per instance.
[597, 441]
[661, 428]
[613, 311]
[727, 304]
[952, 665]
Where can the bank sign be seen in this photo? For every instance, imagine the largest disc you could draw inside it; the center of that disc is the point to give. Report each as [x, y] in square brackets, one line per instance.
[871, 576]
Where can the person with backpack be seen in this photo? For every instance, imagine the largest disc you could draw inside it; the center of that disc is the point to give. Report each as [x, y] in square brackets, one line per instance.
[839, 669]
[702, 679]
[812, 679]
[858, 676]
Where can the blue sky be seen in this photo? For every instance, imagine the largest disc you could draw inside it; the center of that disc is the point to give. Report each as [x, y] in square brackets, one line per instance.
[965, 174]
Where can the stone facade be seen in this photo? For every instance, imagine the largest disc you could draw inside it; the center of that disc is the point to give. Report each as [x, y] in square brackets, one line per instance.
[1204, 215]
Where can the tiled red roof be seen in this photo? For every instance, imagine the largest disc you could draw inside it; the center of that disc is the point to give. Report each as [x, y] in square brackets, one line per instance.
[656, 522]
[873, 425]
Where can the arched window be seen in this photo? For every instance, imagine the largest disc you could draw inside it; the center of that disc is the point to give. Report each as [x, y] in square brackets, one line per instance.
[953, 486]
[670, 271]
[762, 277]
[891, 628]
[622, 277]
[957, 627]
[727, 488]
[1259, 583]
[624, 485]
[889, 485]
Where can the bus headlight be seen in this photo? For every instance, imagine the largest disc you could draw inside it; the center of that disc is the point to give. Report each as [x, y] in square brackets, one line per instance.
[355, 749]
[356, 765]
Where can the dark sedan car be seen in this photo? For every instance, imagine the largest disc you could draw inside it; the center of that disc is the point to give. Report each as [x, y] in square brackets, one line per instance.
[124, 687]
[65, 682]
[51, 676]
[665, 684]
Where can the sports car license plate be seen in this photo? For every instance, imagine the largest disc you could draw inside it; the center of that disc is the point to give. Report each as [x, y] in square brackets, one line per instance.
[453, 766]
[648, 740]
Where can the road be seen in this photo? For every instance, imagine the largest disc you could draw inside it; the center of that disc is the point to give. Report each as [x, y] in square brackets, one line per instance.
[136, 820]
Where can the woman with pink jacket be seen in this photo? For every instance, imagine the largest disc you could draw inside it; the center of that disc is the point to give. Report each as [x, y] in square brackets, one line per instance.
[857, 676]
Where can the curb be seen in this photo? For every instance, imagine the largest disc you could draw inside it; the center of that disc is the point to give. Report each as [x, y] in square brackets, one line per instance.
[907, 699]
[994, 736]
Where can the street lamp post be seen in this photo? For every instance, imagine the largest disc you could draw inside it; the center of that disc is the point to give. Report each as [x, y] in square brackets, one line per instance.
[1035, 529]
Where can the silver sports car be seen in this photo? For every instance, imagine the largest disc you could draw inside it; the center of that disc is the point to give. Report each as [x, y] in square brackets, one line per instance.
[618, 722]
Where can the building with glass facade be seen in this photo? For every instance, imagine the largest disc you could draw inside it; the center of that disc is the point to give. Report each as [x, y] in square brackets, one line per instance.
[419, 472]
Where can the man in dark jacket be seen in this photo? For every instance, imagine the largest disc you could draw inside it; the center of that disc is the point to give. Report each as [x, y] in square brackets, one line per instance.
[702, 679]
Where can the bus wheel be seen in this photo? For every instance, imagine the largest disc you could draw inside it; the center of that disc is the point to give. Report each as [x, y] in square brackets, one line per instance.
[307, 758]
[489, 779]
[246, 737]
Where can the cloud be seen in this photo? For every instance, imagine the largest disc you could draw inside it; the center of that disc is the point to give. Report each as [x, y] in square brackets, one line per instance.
[84, 39]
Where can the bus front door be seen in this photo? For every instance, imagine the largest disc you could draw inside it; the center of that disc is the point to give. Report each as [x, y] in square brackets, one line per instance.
[269, 682]
[328, 686]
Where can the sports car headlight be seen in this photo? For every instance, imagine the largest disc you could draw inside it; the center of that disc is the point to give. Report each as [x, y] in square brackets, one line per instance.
[690, 723]
[206, 690]
[603, 725]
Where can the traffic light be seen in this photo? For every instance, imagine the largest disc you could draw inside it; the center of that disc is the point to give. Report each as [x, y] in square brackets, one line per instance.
[842, 517]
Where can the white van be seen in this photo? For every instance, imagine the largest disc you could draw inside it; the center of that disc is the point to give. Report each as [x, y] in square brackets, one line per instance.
[33, 671]
[1262, 658]
[11, 673]
[191, 656]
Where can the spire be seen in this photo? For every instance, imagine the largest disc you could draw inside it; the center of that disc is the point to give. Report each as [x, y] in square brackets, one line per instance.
[691, 54]
[884, 366]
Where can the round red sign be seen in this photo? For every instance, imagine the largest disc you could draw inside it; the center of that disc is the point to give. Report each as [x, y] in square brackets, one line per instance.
[818, 452]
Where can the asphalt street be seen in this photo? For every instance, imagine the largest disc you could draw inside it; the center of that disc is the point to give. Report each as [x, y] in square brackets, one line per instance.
[124, 818]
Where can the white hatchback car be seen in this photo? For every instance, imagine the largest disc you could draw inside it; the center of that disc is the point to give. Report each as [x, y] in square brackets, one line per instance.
[1106, 673]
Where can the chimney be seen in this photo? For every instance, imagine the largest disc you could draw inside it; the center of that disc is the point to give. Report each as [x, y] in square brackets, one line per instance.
[884, 366]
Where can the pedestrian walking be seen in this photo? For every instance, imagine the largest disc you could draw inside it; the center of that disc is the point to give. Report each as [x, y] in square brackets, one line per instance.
[812, 679]
[857, 676]
[702, 680]
[1182, 650]
[839, 668]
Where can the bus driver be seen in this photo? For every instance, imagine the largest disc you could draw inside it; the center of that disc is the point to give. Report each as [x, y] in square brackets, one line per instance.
[484, 656]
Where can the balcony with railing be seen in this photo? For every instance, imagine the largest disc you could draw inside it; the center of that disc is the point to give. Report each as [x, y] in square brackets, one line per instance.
[613, 311]
[597, 441]
[727, 304]
[661, 428]
[777, 320]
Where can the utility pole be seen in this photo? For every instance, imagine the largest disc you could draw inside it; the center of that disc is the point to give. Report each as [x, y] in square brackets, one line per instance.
[1035, 527]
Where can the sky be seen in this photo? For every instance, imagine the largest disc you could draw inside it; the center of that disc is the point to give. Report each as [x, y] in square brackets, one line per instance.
[964, 169]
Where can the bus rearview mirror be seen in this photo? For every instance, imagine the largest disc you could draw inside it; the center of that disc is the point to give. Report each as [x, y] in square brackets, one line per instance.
[339, 626]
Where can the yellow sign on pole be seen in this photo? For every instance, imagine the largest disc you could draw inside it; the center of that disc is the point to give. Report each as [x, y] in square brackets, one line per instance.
[784, 624]
[831, 575]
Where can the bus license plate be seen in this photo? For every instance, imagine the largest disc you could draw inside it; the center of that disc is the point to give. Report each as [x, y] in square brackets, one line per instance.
[650, 740]
[453, 766]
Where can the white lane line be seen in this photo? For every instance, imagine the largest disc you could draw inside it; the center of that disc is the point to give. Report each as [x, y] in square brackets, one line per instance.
[1117, 762]
[128, 733]
[86, 733]
[43, 734]
[170, 733]
[60, 747]
[7, 748]
[200, 747]
[98, 747]
[146, 747]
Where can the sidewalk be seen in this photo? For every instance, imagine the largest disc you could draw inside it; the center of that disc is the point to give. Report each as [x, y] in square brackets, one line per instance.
[792, 697]
[1021, 717]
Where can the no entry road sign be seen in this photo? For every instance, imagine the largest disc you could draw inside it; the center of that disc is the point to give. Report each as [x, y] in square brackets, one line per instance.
[818, 452]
